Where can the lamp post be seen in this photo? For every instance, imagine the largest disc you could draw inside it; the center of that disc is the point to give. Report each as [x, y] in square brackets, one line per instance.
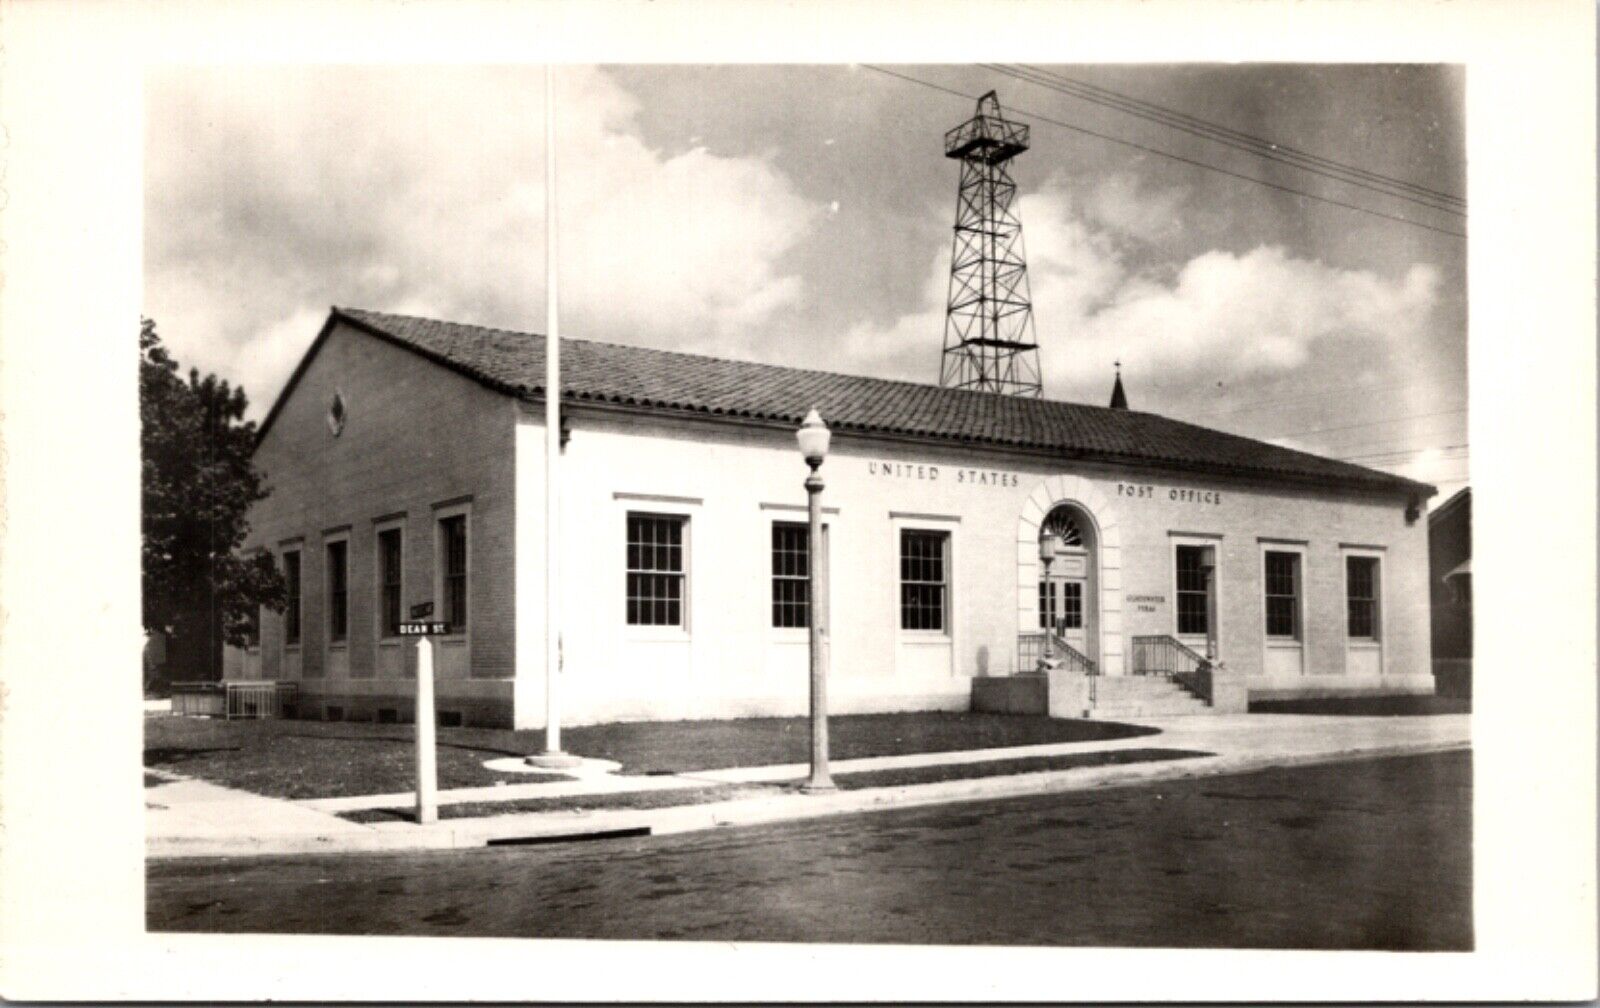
[1048, 543]
[813, 437]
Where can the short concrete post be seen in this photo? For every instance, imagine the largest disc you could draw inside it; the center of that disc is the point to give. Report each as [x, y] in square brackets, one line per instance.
[427, 774]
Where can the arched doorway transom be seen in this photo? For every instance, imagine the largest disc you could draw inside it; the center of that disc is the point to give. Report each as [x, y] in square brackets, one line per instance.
[1084, 518]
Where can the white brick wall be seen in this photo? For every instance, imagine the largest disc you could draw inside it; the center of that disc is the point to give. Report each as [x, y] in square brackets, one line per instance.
[728, 480]
[419, 436]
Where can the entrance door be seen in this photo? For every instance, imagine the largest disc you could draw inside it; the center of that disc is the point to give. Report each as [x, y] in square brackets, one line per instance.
[1061, 600]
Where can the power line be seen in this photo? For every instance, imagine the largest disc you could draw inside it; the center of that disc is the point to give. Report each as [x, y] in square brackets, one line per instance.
[1409, 451]
[1334, 390]
[1377, 182]
[1371, 423]
[1386, 443]
[1175, 157]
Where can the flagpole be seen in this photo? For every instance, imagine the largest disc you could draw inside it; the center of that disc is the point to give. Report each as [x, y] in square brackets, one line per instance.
[552, 441]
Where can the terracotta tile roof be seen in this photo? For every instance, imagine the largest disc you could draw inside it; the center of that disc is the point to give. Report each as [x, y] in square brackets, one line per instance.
[513, 363]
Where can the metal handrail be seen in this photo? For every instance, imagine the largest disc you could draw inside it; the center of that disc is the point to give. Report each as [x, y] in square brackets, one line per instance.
[1163, 654]
[1030, 648]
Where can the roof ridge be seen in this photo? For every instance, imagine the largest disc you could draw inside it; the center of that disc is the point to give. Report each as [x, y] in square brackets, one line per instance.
[789, 368]
[507, 360]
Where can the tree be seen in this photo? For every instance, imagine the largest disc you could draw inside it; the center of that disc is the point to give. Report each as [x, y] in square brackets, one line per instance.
[198, 485]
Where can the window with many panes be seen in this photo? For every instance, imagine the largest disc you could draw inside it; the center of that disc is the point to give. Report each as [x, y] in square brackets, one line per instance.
[453, 577]
[655, 570]
[1061, 604]
[791, 574]
[338, 590]
[1193, 602]
[924, 579]
[1283, 594]
[291, 610]
[1071, 605]
[389, 560]
[1361, 595]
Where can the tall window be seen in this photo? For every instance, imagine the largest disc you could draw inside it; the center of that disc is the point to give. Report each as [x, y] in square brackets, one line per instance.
[1060, 605]
[453, 546]
[924, 563]
[1283, 594]
[1193, 603]
[389, 558]
[655, 570]
[791, 574]
[338, 590]
[1072, 605]
[1361, 594]
[291, 612]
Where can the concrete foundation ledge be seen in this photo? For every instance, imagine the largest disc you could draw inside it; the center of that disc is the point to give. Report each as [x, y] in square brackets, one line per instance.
[1069, 694]
[1227, 692]
[1016, 694]
[1310, 688]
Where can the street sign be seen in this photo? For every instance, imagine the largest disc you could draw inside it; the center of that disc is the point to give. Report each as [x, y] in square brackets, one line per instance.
[422, 628]
[422, 610]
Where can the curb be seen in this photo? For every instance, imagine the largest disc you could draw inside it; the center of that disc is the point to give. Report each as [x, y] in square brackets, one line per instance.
[535, 827]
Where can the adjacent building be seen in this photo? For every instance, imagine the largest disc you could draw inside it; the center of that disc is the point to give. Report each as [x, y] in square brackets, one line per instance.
[1450, 592]
[406, 461]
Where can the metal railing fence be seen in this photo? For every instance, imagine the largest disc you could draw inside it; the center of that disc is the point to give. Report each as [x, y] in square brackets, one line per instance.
[235, 699]
[1030, 648]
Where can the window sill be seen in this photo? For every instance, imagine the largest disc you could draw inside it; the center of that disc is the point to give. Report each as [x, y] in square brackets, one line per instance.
[656, 635]
[339, 645]
[924, 638]
[1285, 643]
[1364, 644]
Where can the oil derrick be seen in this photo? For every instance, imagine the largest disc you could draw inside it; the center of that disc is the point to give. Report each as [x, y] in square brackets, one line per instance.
[989, 339]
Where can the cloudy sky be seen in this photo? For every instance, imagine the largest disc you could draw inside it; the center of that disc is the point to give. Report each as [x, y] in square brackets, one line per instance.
[802, 215]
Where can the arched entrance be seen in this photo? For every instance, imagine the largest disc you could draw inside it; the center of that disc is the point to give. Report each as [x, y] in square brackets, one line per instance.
[1069, 603]
[1083, 591]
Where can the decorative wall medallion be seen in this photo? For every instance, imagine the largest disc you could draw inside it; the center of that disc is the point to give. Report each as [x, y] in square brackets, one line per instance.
[337, 413]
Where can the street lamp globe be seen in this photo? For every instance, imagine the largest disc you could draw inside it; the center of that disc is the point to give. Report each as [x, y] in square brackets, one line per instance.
[813, 437]
[1049, 542]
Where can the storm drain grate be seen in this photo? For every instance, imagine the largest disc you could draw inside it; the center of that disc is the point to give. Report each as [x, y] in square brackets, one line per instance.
[528, 841]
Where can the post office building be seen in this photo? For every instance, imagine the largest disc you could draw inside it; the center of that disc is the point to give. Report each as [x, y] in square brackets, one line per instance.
[406, 462]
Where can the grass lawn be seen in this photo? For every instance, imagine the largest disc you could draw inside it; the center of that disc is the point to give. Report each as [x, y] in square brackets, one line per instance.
[1394, 706]
[314, 759]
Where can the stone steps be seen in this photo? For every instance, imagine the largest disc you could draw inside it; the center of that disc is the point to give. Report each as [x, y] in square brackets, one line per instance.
[1143, 696]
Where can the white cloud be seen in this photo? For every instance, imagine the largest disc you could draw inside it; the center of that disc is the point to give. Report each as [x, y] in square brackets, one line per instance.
[1218, 317]
[1120, 204]
[273, 194]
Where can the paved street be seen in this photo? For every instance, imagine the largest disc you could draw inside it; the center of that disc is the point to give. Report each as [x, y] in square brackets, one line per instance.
[1369, 854]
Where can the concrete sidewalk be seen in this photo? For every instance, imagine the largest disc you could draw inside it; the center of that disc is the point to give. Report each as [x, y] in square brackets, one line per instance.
[194, 819]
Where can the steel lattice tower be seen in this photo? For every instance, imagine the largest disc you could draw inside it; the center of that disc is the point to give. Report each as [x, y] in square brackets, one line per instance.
[989, 339]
